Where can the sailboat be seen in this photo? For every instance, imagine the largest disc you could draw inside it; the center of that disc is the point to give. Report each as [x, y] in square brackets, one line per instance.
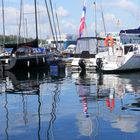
[127, 61]
[25, 55]
[124, 55]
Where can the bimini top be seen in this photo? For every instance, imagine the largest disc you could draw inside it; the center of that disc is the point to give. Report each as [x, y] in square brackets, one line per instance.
[131, 31]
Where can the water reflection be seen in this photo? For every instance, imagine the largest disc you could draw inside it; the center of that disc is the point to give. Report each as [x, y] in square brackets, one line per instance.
[22, 97]
[55, 100]
[7, 117]
[111, 98]
[87, 91]
[18, 84]
[49, 105]
[39, 117]
[125, 89]
[23, 83]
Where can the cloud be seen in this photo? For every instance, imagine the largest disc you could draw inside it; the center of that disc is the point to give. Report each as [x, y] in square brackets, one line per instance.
[110, 17]
[68, 26]
[62, 12]
[12, 19]
[111, 23]
[126, 5]
[129, 6]
[117, 15]
[13, 1]
[11, 15]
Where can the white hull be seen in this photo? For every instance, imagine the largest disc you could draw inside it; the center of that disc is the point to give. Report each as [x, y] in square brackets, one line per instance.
[68, 61]
[85, 54]
[90, 64]
[126, 63]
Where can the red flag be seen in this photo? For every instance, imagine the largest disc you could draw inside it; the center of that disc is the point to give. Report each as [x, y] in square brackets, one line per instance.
[82, 21]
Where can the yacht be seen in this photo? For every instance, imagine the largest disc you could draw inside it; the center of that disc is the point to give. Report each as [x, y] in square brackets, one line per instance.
[126, 57]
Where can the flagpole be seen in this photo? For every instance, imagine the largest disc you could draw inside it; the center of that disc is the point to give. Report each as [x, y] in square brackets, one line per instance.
[82, 21]
[86, 32]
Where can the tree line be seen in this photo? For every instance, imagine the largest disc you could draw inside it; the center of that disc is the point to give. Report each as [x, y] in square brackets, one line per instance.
[12, 39]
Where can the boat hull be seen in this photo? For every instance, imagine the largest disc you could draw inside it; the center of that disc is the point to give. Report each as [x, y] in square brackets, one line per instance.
[24, 62]
[90, 64]
[131, 64]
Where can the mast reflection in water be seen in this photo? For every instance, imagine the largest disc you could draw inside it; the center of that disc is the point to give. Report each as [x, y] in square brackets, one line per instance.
[21, 94]
[60, 105]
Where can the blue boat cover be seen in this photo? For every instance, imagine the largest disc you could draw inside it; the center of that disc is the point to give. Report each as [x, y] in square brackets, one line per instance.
[131, 31]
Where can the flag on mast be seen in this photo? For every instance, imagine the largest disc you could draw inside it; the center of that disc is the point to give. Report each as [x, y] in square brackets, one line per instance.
[82, 21]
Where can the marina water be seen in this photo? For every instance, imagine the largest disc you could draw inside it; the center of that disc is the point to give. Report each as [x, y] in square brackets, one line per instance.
[62, 105]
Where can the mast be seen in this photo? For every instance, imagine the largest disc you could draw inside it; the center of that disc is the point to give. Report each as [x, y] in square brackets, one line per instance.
[95, 25]
[95, 20]
[36, 23]
[49, 17]
[26, 27]
[3, 20]
[103, 20]
[19, 30]
[54, 25]
[59, 32]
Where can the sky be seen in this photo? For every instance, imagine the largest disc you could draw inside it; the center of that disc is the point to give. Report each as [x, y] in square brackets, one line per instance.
[118, 15]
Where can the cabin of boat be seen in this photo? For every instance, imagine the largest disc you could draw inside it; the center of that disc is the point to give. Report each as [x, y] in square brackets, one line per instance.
[86, 51]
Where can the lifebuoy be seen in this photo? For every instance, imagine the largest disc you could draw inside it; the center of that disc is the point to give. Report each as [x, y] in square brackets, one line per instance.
[109, 41]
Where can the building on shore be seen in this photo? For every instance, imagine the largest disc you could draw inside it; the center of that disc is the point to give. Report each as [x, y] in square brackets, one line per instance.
[61, 42]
